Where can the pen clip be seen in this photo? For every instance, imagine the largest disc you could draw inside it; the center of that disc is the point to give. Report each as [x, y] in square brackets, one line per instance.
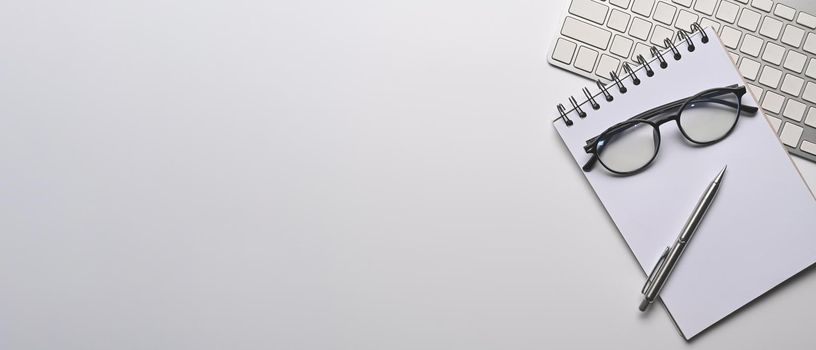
[651, 277]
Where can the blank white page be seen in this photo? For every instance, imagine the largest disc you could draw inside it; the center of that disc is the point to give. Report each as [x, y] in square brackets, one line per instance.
[761, 228]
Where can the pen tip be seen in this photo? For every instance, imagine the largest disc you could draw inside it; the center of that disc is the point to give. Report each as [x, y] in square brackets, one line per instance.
[720, 175]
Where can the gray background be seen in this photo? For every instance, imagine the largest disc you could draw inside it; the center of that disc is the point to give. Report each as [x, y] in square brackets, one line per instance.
[311, 175]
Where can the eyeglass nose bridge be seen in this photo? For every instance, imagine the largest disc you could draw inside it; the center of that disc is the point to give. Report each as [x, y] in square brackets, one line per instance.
[668, 117]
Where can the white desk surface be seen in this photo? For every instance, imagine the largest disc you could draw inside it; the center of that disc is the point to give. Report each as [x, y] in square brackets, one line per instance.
[312, 175]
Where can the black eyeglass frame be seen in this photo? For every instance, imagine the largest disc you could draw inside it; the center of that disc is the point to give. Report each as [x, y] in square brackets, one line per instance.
[660, 115]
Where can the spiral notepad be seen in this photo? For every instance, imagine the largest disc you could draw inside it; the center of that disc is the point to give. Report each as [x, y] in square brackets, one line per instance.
[759, 232]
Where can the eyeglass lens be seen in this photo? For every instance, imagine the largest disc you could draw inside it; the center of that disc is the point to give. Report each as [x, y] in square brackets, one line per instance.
[709, 118]
[630, 148]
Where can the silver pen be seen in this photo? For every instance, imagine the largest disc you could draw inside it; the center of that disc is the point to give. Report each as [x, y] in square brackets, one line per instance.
[668, 260]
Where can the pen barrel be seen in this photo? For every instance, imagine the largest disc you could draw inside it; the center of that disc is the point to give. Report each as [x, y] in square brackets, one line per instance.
[663, 272]
[699, 212]
[667, 266]
[669, 259]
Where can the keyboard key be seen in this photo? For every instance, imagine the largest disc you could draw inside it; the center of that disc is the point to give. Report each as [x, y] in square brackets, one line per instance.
[811, 71]
[772, 102]
[606, 65]
[684, 20]
[705, 23]
[734, 57]
[730, 37]
[770, 28]
[749, 68]
[764, 5]
[587, 33]
[564, 49]
[621, 46]
[809, 147]
[728, 11]
[660, 33]
[755, 90]
[643, 7]
[640, 49]
[706, 6]
[749, 19]
[618, 20]
[792, 85]
[686, 3]
[791, 134]
[585, 60]
[770, 77]
[773, 53]
[751, 45]
[806, 20]
[589, 10]
[785, 12]
[793, 36]
[810, 43]
[810, 92]
[640, 28]
[811, 117]
[794, 110]
[795, 61]
[664, 13]
[620, 3]
[775, 123]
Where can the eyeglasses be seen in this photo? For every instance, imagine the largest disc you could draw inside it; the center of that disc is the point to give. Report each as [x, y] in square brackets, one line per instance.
[706, 118]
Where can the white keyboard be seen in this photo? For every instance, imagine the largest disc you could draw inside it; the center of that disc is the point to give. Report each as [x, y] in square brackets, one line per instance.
[772, 43]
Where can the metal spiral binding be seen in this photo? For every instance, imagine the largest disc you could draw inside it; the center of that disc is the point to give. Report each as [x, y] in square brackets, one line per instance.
[577, 107]
[605, 92]
[695, 27]
[659, 55]
[629, 72]
[645, 64]
[563, 112]
[618, 82]
[683, 35]
[591, 99]
[673, 48]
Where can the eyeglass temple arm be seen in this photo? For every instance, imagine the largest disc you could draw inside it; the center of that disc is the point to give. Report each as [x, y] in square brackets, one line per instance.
[742, 107]
[740, 90]
[593, 159]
